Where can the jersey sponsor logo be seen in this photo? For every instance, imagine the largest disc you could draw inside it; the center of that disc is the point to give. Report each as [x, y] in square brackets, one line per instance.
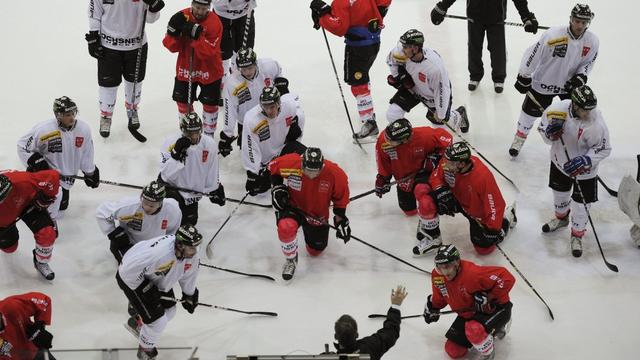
[79, 141]
[205, 155]
[422, 77]
[492, 207]
[164, 269]
[237, 12]
[585, 50]
[564, 40]
[294, 182]
[262, 130]
[187, 267]
[557, 115]
[533, 54]
[50, 135]
[438, 280]
[133, 221]
[286, 172]
[184, 73]
[54, 145]
[164, 224]
[324, 186]
[390, 150]
[46, 184]
[242, 92]
[553, 88]
[116, 41]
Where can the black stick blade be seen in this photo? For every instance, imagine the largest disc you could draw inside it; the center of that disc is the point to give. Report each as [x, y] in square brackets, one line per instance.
[136, 134]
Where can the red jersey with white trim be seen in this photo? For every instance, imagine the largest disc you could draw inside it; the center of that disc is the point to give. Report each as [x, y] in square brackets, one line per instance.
[17, 312]
[476, 191]
[207, 58]
[350, 13]
[25, 187]
[406, 159]
[313, 196]
[496, 281]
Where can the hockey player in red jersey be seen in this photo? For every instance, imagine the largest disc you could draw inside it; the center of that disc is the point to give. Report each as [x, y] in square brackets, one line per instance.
[195, 34]
[409, 155]
[480, 296]
[360, 22]
[463, 184]
[22, 327]
[304, 186]
[26, 196]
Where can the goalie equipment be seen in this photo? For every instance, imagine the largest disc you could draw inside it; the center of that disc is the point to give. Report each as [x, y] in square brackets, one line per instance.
[398, 131]
[155, 191]
[628, 198]
[5, 187]
[188, 235]
[412, 37]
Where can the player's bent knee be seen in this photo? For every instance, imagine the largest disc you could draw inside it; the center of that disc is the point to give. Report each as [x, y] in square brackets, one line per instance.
[314, 252]
[287, 229]
[9, 245]
[475, 332]
[46, 236]
[484, 250]
[455, 351]
[410, 212]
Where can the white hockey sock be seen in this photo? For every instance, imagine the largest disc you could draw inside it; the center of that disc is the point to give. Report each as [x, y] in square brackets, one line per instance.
[429, 224]
[525, 123]
[561, 202]
[128, 90]
[365, 107]
[209, 122]
[150, 333]
[394, 112]
[43, 253]
[579, 218]
[107, 96]
[290, 249]
[486, 346]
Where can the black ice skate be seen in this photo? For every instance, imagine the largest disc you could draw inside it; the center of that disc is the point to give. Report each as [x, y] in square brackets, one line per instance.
[43, 268]
[368, 133]
[555, 224]
[133, 325]
[464, 119]
[147, 354]
[105, 126]
[134, 121]
[289, 268]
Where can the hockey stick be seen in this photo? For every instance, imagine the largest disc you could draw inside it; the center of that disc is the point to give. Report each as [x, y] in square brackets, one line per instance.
[638, 173]
[266, 206]
[247, 25]
[482, 156]
[344, 102]
[377, 316]
[595, 234]
[609, 190]
[109, 350]
[267, 313]
[506, 22]
[267, 277]
[190, 81]
[209, 248]
[369, 192]
[525, 280]
[133, 129]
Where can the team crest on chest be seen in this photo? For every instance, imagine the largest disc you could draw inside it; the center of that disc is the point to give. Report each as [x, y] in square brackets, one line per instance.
[422, 77]
[585, 50]
[187, 267]
[205, 155]
[79, 141]
[164, 224]
[324, 186]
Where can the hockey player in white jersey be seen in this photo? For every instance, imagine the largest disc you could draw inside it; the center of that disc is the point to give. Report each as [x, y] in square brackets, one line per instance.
[114, 39]
[128, 221]
[190, 161]
[420, 76]
[242, 91]
[581, 126]
[149, 271]
[272, 129]
[559, 62]
[236, 28]
[63, 144]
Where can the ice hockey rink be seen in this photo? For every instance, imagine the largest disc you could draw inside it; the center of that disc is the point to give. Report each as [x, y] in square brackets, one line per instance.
[596, 310]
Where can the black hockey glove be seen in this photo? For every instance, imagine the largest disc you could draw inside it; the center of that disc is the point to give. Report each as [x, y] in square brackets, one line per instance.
[282, 84]
[530, 23]
[482, 304]
[430, 313]
[37, 163]
[403, 79]
[554, 130]
[42, 201]
[523, 84]
[95, 47]
[120, 243]
[445, 201]
[256, 184]
[318, 9]
[576, 81]
[280, 197]
[179, 150]
[383, 185]
[192, 30]
[383, 10]
[294, 130]
[154, 5]
[217, 196]
[493, 236]
[40, 337]
[190, 302]
[92, 180]
[341, 222]
[44, 354]
[224, 145]
[176, 24]
[438, 13]
[167, 299]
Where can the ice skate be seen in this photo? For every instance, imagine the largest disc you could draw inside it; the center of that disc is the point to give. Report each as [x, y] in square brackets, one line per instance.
[426, 243]
[133, 325]
[510, 214]
[368, 133]
[464, 119]
[473, 85]
[503, 331]
[516, 145]
[147, 354]
[105, 126]
[43, 268]
[289, 268]
[134, 121]
[576, 246]
[555, 223]
[498, 87]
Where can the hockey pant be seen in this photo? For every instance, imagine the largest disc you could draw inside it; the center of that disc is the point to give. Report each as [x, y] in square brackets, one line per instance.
[315, 236]
[44, 232]
[562, 186]
[405, 100]
[112, 68]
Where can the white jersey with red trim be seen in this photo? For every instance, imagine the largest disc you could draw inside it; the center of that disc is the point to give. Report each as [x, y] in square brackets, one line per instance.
[119, 22]
[233, 9]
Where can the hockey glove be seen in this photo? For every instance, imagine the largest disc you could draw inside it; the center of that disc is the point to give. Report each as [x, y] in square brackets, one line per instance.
[318, 9]
[482, 304]
[445, 201]
[577, 165]
[403, 79]
[224, 145]
[294, 130]
[44, 354]
[120, 243]
[167, 299]
[437, 14]
[493, 236]
[154, 5]
[42, 201]
[92, 180]
[192, 30]
[430, 313]
[280, 197]
[179, 150]
[190, 302]
[217, 196]
[256, 184]
[530, 23]
[576, 81]
[554, 130]
[523, 84]
[341, 222]
[95, 47]
[282, 84]
[176, 24]
[383, 185]
[40, 337]
[37, 163]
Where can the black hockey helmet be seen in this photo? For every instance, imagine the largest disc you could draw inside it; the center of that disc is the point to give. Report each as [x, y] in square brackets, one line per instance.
[399, 130]
[412, 37]
[156, 191]
[447, 254]
[188, 235]
[5, 187]
[582, 12]
[246, 57]
[584, 98]
[270, 95]
[63, 105]
[202, 2]
[458, 151]
[312, 159]
[190, 122]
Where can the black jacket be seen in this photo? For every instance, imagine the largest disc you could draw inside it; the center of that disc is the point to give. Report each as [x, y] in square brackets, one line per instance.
[488, 11]
[380, 342]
